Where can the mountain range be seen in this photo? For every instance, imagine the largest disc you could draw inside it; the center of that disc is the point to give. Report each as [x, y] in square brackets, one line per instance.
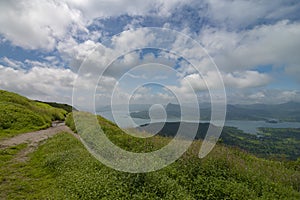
[289, 111]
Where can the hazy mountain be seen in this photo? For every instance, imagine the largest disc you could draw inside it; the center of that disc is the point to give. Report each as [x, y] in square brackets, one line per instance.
[289, 111]
[132, 107]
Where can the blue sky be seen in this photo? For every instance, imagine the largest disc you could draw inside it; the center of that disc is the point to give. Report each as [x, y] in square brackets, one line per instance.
[254, 44]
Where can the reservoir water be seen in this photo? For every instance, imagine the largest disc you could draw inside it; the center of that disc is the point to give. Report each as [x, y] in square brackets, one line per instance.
[124, 121]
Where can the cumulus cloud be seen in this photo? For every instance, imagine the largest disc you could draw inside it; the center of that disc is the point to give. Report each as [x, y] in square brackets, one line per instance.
[107, 8]
[74, 53]
[132, 39]
[12, 63]
[195, 83]
[246, 79]
[235, 14]
[275, 45]
[240, 36]
[270, 96]
[39, 83]
[146, 94]
[41, 24]
[37, 24]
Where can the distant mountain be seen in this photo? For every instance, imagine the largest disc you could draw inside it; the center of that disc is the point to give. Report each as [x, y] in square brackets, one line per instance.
[289, 111]
[132, 107]
[173, 112]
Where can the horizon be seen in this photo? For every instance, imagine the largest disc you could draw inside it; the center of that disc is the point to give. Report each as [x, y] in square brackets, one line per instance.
[209, 103]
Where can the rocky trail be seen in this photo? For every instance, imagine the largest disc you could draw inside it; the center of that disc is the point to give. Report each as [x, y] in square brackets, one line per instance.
[33, 139]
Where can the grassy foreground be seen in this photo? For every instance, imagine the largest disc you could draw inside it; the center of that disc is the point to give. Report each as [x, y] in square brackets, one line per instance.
[63, 169]
[19, 114]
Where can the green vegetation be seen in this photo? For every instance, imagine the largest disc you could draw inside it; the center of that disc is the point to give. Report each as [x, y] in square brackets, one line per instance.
[227, 173]
[271, 143]
[19, 114]
[63, 169]
[70, 122]
[65, 107]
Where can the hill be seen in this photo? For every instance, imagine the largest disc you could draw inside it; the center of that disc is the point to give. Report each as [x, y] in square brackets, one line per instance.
[62, 168]
[271, 143]
[63, 106]
[19, 114]
[289, 111]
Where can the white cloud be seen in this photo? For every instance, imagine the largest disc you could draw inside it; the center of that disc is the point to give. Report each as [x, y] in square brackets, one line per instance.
[37, 24]
[242, 13]
[41, 83]
[235, 12]
[74, 53]
[12, 63]
[257, 97]
[118, 57]
[146, 95]
[246, 79]
[195, 84]
[269, 96]
[99, 55]
[236, 43]
[106, 8]
[41, 24]
[276, 45]
[132, 39]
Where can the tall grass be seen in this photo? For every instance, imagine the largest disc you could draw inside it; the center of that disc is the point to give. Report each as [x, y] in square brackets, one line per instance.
[19, 114]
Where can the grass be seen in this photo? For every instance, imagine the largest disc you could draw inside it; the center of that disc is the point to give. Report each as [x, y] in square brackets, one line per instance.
[65, 107]
[63, 169]
[19, 114]
[272, 143]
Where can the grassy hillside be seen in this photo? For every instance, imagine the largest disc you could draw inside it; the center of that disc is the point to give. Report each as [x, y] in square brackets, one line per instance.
[226, 173]
[271, 143]
[19, 114]
[63, 106]
[62, 168]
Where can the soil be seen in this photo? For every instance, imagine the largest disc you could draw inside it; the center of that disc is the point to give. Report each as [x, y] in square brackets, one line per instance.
[33, 139]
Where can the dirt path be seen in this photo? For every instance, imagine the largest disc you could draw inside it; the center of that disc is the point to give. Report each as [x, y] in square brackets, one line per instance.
[33, 139]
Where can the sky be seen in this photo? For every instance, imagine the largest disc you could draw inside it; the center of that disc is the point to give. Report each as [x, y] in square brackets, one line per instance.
[151, 51]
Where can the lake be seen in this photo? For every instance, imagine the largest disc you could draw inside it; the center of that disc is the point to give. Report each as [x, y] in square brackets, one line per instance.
[124, 121]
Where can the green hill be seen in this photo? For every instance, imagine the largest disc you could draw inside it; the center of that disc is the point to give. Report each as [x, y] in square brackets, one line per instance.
[63, 106]
[19, 114]
[62, 168]
[226, 173]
